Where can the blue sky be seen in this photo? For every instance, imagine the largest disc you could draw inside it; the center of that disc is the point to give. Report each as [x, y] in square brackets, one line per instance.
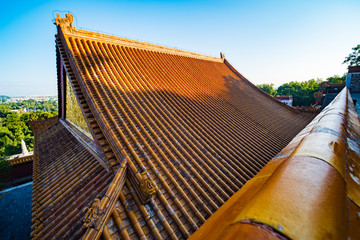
[266, 41]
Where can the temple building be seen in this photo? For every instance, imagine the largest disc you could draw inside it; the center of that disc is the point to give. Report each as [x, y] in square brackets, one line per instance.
[20, 171]
[287, 99]
[353, 83]
[327, 93]
[153, 142]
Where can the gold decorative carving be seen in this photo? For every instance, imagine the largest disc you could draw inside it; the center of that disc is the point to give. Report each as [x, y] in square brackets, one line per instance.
[93, 214]
[73, 111]
[65, 23]
[146, 186]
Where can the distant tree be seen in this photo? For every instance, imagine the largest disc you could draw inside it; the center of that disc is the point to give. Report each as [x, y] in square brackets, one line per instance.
[8, 144]
[268, 88]
[15, 127]
[6, 138]
[4, 110]
[3, 98]
[336, 79]
[354, 58]
[4, 168]
[289, 88]
[302, 92]
[31, 104]
[13, 106]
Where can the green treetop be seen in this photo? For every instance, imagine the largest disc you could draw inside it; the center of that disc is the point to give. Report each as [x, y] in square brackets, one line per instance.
[268, 88]
[354, 58]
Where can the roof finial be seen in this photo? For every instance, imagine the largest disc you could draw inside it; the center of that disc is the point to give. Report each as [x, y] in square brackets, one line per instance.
[65, 23]
[222, 56]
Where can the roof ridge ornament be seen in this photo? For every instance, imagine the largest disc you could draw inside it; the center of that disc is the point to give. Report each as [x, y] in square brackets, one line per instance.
[222, 56]
[147, 186]
[93, 214]
[144, 186]
[65, 23]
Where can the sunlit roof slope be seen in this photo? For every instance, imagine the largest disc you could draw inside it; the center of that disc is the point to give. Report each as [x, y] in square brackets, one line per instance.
[310, 190]
[181, 131]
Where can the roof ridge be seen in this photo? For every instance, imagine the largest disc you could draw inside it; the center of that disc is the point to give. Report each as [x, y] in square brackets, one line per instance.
[65, 24]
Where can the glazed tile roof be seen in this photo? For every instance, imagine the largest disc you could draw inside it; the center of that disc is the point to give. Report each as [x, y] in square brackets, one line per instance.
[15, 217]
[66, 177]
[20, 160]
[310, 190]
[181, 132]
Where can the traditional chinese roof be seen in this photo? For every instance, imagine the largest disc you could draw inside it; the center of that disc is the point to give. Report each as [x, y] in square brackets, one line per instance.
[180, 133]
[310, 190]
[326, 84]
[19, 159]
[284, 97]
[66, 178]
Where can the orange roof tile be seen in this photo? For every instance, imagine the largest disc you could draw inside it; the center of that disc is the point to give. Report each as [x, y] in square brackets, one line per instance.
[66, 177]
[181, 132]
[20, 160]
[306, 191]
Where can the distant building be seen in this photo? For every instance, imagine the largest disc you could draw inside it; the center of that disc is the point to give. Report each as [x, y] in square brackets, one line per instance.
[327, 93]
[35, 98]
[21, 168]
[353, 83]
[287, 99]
